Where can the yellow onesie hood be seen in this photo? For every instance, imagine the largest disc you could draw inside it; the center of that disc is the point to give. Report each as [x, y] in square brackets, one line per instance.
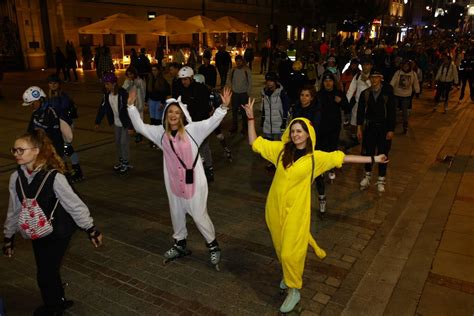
[285, 138]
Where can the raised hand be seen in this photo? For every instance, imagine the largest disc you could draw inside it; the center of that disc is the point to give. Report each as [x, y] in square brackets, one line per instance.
[249, 108]
[226, 95]
[132, 96]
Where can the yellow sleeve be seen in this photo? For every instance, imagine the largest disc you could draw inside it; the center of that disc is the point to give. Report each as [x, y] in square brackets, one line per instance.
[269, 150]
[324, 161]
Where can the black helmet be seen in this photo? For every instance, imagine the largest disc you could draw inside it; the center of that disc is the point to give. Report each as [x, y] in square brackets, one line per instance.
[327, 75]
[376, 72]
[271, 76]
[54, 78]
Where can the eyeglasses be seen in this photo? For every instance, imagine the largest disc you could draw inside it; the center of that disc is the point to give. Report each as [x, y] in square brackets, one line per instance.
[19, 151]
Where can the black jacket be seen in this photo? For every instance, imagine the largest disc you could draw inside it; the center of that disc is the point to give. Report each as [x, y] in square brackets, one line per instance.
[196, 97]
[47, 119]
[210, 73]
[106, 109]
[331, 110]
[312, 113]
[155, 92]
[381, 111]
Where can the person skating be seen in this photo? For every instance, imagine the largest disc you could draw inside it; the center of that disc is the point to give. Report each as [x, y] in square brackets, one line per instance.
[114, 106]
[45, 117]
[133, 81]
[405, 83]
[186, 184]
[240, 81]
[157, 90]
[39, 187]
[375, 124]
[445, 77]
[67, 112]
[331, 102]
[196, 96]
[466, 74]
[275, 107]
[288, 206]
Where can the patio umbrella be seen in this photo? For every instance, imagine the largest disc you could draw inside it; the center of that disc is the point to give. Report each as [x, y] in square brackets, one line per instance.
[233, 25]
[117, 24]
[167, 25]
[206, 25]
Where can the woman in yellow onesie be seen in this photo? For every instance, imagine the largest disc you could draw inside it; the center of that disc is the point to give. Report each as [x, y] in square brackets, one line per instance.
[288, 207]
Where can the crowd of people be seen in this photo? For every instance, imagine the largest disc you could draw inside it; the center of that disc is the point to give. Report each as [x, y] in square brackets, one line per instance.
[303, 107]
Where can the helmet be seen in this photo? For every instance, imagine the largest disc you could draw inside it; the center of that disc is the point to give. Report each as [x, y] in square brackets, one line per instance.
[32, 94]
[185, 72]
[109, 77]
[271, 76]
[328, 76]
[376, 72]
[199, 78]
[54, 78]
[297, 65]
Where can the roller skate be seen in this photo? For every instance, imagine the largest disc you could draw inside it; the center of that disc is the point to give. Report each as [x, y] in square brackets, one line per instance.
[322, 207]
[365, 183]
[124, 168]
[215, 254]
[177, 251]
[76, 174]
[228, 153]
[380, 185]
[290, 305]
[118, 166]
[332, 176]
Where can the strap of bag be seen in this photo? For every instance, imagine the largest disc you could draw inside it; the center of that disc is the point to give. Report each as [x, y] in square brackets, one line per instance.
[180, 160]
[39, 189]
[51, 217]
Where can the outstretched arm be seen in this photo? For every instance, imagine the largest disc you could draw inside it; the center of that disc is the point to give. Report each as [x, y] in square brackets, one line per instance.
[365, 159]
[251, 120]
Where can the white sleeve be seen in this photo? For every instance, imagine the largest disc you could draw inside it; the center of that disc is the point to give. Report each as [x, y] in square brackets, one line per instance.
[72, 203]
[14, 206]
[152, 132]
[352, 89]
[200, 130]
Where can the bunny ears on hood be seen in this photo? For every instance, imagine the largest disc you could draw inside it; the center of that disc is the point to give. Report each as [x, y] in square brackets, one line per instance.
[181, 105]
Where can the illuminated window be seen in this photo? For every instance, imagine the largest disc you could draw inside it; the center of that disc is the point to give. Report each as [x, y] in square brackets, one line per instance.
[151, 15]
[302, 33]
[288, 32]
[295, 33]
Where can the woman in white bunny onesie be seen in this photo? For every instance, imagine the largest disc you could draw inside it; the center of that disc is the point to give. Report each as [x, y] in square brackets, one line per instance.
[185, 180]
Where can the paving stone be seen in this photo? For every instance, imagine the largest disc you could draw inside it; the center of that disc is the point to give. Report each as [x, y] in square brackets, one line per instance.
[333, 282]
[321, 298]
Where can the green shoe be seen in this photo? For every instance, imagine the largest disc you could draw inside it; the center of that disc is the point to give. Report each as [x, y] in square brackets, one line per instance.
[291, 300]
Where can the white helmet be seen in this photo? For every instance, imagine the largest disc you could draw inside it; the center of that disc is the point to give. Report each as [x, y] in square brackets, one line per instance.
[185, 72]
[199, 78]
[32, 94]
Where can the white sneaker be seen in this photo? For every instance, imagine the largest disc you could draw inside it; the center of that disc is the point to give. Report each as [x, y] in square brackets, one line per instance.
[332, 175]
[365, 182]
[322, 203]
[380, 184]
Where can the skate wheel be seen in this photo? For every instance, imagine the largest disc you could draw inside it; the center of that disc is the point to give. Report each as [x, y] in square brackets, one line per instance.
[218, 269]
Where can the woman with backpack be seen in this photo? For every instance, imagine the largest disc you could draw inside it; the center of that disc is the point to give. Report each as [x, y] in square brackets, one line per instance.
[44, 208]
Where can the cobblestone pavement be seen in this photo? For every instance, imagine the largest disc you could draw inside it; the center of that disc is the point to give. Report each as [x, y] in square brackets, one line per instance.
[127, 277]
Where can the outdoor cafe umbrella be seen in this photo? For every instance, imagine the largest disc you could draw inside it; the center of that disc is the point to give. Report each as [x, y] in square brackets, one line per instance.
[206, 25]
[117, 24]
[167, 25]
[232, 25]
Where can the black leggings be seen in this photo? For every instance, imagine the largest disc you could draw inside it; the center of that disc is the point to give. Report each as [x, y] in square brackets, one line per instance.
[49, 253]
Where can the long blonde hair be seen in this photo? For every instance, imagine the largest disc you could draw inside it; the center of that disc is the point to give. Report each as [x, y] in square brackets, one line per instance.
[47, 158]
[181, 129]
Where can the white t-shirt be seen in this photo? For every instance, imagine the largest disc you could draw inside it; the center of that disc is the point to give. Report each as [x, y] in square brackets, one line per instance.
[113, 100]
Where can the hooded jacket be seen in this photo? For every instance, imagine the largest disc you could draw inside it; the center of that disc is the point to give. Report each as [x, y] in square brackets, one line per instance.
[274, 110]
[106, 110]
[288, 206]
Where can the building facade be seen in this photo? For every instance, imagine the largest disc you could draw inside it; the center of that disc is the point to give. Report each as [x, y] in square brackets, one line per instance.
[39, 26]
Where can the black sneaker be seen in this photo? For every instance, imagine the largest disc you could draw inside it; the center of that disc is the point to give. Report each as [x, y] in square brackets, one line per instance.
[209, 171]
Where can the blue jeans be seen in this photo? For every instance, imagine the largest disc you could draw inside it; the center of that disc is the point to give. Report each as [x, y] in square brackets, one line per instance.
[156, 112]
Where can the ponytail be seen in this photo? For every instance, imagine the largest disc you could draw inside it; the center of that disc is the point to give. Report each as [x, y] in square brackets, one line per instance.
[47, 158]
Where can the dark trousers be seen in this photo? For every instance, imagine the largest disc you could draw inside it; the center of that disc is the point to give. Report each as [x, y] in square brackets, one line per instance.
[223, 74]
[404, 104]
[239, 99]
[443, 92]
[375, 142]
[63, 69]
[327, 141]
[263, 64]
[465, 78]
[49, 253]
[69, 73]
